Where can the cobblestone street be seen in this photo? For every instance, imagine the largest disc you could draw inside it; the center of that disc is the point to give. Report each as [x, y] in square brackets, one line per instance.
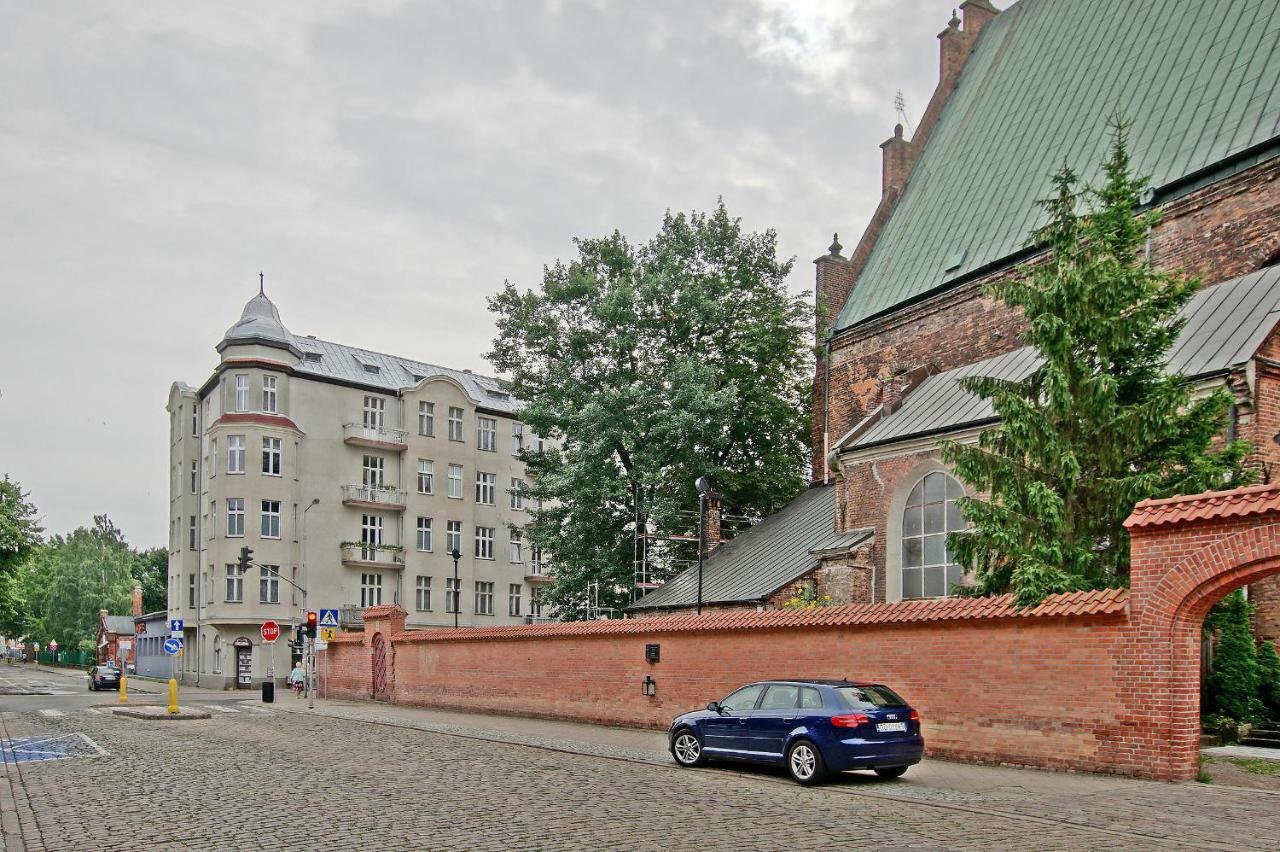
[253, 777]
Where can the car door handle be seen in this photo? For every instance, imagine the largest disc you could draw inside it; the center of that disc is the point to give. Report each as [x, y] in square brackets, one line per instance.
[788, 718]
[742, 721]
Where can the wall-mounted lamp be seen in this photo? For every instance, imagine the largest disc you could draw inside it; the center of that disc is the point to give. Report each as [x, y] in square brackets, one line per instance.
[649, 687]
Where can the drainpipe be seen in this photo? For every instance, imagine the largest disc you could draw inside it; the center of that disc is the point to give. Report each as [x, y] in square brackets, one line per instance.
[200, 549]
[826, 409]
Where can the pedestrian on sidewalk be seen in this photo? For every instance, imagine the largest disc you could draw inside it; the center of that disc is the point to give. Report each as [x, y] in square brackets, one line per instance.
[297, 679]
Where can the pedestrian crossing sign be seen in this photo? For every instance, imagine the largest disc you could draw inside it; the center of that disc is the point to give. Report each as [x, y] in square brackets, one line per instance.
[327, 634]
[329, 618]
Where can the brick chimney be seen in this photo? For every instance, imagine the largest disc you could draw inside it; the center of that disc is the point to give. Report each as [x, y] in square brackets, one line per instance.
[711, 532]
[977, 13]
[834, 281]
[897, 159]
[137, 601]
[891, 391]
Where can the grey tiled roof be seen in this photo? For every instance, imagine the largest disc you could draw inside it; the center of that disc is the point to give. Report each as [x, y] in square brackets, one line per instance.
[121, 625]
[1199, 81]
[1225, 326]
[350, 364]
[762, 559]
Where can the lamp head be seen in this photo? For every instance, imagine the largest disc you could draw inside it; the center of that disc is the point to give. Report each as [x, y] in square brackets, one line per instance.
[702, 485]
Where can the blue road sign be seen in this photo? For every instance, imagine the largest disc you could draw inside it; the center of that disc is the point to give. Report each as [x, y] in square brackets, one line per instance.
[175, 626]
[172, 645]
[328, 618]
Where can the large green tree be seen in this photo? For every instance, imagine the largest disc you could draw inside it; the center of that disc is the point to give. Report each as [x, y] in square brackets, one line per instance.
[70, 579]
[649, 366]
[19, 539]
[1100, 424]
[151, 572]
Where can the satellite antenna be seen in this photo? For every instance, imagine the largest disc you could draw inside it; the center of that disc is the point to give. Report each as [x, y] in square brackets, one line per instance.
[900, 104]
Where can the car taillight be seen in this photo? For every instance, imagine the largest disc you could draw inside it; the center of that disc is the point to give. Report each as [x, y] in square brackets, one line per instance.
[849, 720]
[915, 715]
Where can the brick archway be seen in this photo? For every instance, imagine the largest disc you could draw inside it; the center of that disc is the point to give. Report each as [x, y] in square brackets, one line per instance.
[1187, 554]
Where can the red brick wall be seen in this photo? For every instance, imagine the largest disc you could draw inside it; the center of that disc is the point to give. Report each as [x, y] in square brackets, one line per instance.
[1086, 681]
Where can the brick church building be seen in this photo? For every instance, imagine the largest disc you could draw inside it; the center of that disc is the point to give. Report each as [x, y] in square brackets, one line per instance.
[902, 316]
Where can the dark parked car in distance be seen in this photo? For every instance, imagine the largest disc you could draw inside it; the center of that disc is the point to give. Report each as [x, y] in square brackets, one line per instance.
[104, 677]
[812, 727]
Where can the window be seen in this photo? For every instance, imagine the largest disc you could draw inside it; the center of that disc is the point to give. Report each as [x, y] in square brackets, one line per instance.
[242, 393]
[455, 424]
[372, 470]
[426, 475]
[213, 457]
[424, 534]
[781, 697]
[195, 420]
[487, 434]
[235, 583]
[486, 488]
[270, 518]
[271, 456]
[213, 520]
[484, 598]
[453, 537]
[191, 591]
[810, 698]
[455, 481]
[743, 699]
[235, 454]
[451, 589]
[535, 602]
[517, 494]
[192, 544]
[269, 394]
[269, 584]
[375, 410]
[484, 542]
[370, 590]
[194, 476]
[424, 594]
[370, 535]
[235, 517]
[535, 560]
[517, 438]
[929, 569]
[427, 419]
[513, 599]
[517, 546]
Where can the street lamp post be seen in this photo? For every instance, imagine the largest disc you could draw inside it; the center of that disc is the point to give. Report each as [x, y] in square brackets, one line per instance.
[311, 656]
[703, 487]
[457, 587]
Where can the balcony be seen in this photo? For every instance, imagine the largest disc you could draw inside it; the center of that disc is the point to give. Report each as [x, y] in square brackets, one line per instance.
[351, 617]
[539, 573]
[375, 557]
[373, 497]
[359, 435]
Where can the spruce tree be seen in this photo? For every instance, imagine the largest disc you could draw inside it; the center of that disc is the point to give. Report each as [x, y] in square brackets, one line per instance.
[1236, 677]
[1099, 424]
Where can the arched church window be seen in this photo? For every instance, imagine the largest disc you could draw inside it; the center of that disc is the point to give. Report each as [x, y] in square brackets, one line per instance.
[929, 569]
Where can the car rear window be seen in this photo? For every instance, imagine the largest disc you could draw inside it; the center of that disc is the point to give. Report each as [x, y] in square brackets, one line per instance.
[870, 697]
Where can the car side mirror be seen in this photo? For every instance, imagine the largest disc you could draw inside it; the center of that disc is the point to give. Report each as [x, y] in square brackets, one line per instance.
[714, 707]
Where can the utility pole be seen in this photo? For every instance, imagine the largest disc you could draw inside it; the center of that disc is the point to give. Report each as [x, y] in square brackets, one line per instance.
[703, 487]
[457, 588]
[308, 653]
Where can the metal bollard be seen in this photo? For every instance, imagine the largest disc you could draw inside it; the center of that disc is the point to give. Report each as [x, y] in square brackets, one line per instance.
[124, 690]
[173, 696]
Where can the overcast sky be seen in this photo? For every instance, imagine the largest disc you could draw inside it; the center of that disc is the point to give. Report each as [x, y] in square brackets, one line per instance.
[387, 165]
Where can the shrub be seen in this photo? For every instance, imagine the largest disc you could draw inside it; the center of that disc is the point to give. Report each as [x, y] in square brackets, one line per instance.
[1269, 679]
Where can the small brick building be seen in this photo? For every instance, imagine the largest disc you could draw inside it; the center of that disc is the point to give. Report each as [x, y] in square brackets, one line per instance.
[116, 640]
[903, 317]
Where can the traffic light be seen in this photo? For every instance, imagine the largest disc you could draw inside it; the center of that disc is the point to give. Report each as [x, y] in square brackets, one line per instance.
[312, 620]
[246, 555]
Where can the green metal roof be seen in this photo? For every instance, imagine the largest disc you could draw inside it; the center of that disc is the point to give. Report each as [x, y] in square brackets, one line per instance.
[1200, 82]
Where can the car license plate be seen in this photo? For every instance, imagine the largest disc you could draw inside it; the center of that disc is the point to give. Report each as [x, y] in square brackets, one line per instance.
[886, 727]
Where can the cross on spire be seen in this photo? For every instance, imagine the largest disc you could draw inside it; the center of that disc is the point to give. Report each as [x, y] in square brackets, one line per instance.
[261, 284]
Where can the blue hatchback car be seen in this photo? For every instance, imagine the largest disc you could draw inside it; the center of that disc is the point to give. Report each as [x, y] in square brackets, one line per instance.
[813, 727]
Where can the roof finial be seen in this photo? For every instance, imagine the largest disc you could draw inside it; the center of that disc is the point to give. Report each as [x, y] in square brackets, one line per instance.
[261, 284]
[835, 245]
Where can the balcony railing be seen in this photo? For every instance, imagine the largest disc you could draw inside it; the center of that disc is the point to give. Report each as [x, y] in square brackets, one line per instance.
[373, 496]
[539, 572]
[351, 617]
[375, 436]
[357, 555]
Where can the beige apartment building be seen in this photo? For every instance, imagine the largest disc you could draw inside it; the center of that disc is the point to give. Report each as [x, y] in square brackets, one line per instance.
[354, 474]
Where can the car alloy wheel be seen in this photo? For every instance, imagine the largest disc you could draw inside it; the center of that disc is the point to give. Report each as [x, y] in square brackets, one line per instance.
[687, 749]
[804, 762]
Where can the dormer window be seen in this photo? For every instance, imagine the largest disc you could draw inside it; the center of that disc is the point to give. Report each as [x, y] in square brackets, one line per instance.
[372, 368]
[313, 357]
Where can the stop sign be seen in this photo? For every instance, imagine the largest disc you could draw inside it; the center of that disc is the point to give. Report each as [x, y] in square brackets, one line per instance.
[270, 631]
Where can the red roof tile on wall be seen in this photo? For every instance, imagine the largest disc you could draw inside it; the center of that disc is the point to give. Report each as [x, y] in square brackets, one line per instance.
[1100, 602]
[1236, 503]
[258, 418]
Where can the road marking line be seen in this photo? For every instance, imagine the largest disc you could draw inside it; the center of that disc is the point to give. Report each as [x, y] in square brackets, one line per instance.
[93, 710]
[222, 709]
[51, 713]
[255, 709]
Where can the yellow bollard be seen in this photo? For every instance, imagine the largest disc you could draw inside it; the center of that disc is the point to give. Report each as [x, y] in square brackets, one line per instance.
[173, 696]
[124, 690]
